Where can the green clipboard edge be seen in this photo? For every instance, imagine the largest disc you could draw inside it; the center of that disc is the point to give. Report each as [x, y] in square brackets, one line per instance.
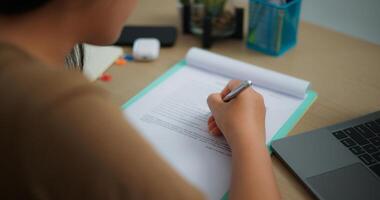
[311, 97]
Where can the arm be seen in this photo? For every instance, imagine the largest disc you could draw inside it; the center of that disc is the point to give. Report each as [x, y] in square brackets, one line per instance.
[242, 122]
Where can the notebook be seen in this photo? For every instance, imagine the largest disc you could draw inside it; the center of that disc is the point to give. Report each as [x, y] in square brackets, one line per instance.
[98, 59]
[171, 114]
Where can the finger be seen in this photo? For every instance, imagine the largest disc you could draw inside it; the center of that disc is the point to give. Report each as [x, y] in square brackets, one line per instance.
[216, 132]
[230, 86]
[233, 84]
[225, 91]
[211, 126]
[213, 101]
[210, 119]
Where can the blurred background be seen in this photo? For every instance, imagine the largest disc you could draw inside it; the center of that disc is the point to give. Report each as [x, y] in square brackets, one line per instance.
[358, 18]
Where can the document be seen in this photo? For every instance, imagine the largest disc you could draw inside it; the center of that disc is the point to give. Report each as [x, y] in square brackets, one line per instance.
[173, 115]
[98, 59]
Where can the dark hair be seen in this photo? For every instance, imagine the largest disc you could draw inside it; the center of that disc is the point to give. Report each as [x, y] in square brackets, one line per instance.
[14, 7]
[75, 59]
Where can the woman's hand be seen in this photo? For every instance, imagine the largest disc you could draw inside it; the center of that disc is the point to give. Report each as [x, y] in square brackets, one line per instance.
[240, 120]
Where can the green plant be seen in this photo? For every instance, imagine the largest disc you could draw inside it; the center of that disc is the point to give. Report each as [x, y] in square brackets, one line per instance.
[185, 2]
[213, 7]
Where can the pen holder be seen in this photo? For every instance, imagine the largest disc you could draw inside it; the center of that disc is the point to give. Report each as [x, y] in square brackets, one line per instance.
[273, 28]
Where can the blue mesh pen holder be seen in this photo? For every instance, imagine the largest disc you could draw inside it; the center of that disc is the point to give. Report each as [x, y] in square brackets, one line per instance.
[273, 28]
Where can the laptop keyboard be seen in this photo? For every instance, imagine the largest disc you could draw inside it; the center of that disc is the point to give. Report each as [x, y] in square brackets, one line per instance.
[363, 141]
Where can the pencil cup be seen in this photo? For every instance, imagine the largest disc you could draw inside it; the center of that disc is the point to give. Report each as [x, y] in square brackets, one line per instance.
[273, 28]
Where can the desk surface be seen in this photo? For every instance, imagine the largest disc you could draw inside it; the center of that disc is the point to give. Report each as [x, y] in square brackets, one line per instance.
[343, 70]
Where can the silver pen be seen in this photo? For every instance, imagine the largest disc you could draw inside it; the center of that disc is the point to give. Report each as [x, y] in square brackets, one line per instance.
[243, 85]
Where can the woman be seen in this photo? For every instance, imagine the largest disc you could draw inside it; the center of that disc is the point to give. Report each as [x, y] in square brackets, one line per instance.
[62, 138]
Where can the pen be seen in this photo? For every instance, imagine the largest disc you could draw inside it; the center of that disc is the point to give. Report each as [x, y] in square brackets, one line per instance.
[237, 91]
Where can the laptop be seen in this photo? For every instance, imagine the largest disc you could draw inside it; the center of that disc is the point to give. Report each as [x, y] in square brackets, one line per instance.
[337, 162]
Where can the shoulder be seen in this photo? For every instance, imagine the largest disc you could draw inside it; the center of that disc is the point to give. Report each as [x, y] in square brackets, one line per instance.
[28, 84]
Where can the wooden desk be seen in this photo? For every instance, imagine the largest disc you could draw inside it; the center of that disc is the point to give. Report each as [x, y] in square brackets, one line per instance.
[343, 70]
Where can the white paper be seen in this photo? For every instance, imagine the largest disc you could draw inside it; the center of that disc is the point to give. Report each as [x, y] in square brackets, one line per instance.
[173, 118]
[99, 59]
[243, 71]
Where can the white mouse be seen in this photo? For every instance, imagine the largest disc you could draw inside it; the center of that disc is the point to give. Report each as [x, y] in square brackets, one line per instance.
[146, 49]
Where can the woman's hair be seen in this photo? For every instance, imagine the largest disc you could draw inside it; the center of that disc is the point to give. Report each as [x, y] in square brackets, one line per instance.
[75, 59]
[15, 7]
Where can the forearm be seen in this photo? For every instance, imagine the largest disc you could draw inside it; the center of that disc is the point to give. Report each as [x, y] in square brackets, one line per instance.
[252, 175]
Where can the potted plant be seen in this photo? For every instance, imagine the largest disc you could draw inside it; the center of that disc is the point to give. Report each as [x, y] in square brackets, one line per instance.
[221, 13]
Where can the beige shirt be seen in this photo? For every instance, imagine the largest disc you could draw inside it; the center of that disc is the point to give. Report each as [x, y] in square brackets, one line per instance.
[62, 138]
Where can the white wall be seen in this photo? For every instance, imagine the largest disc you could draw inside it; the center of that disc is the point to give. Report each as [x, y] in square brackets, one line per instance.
[358, 18]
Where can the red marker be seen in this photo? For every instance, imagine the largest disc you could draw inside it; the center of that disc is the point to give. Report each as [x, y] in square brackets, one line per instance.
[106, 78]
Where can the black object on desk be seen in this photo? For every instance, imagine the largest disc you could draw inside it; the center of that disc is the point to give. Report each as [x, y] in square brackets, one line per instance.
[167, 35]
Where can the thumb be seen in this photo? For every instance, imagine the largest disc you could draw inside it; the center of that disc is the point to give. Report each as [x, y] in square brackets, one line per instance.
[214, 100]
